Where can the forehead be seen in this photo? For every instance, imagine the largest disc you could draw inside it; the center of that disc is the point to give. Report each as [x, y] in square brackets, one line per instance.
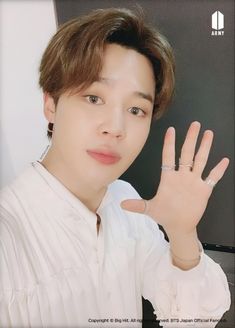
[126, 67]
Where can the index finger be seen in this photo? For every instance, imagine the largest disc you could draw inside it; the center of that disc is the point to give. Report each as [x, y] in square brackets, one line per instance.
[168, 152]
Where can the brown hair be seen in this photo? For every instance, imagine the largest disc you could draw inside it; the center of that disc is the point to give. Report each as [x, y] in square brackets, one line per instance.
[73, 57]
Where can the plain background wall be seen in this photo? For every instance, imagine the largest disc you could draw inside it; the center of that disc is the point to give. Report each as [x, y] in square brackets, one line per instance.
[26, 27]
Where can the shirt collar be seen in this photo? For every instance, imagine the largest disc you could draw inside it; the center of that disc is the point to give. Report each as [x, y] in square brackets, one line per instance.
[70, 198]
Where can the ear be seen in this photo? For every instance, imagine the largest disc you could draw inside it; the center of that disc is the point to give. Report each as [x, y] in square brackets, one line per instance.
[49, 107]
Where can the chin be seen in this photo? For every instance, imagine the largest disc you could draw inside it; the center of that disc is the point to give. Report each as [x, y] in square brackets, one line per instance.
[98, 179]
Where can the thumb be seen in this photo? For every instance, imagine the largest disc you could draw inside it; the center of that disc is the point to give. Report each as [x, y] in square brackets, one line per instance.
[134, 205]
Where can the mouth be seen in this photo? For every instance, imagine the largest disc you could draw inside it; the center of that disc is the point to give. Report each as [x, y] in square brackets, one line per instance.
[104, 157]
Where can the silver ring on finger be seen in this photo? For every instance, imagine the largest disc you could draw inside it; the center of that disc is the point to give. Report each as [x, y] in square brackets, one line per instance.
[190, 164]
[210, 182]
[165, 167]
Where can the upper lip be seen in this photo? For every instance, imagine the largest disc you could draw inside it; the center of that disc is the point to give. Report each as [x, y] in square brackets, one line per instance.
[105, 152]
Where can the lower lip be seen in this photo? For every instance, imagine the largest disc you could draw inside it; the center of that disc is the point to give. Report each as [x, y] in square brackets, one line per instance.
[104, 159]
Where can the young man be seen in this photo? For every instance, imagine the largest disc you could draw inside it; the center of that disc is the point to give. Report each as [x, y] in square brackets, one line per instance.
[79, 246]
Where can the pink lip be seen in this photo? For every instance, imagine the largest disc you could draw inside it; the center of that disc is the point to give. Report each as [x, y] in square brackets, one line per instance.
[104, 157]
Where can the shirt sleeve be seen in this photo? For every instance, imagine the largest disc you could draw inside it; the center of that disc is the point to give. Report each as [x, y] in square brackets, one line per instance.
[194, 298]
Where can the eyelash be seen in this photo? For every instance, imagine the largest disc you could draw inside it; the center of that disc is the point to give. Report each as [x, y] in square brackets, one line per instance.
[144, 113]
[88, 96]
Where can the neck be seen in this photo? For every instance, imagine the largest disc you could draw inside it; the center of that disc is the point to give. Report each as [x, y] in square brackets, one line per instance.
[90, 196]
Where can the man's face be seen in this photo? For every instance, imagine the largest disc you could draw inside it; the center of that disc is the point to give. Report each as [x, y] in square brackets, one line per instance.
[113, 115]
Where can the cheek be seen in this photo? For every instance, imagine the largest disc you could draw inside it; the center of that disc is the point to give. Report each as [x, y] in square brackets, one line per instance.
[70, 125]
[137, 140]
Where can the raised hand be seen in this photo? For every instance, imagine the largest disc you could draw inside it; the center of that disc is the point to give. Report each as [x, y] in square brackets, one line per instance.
[182, 195]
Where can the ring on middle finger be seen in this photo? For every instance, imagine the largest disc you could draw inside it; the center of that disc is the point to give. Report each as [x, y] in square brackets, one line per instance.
[190, 164]
[165, 167]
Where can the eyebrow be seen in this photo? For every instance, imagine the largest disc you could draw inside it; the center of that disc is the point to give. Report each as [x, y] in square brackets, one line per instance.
[143, 95]
[139, 94]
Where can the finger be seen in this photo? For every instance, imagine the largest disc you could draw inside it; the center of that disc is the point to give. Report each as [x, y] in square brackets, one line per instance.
[217, 172]
[168, 152]
[188, 148]
[203, 152]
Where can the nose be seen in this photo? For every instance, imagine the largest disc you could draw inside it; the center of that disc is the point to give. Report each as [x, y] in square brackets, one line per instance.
[113, 124]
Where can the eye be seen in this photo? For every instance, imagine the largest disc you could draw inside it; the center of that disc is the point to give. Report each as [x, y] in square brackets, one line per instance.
[92, 99]
[137, 111]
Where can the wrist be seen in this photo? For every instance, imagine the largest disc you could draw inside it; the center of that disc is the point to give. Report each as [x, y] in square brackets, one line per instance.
[174, 234]
[184, 264]
[185, 249]
[188, 260]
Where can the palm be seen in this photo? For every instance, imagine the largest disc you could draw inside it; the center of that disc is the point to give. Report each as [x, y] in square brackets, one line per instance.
[182, 195]
[180, 200]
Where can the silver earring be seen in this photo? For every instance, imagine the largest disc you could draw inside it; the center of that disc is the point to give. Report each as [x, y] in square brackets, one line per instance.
[48, 129]
[45, 152]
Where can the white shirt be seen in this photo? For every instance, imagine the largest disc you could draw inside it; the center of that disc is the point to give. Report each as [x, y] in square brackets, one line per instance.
[57, 272]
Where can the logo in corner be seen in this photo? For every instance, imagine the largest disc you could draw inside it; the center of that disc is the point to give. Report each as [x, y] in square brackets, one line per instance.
[217, 23]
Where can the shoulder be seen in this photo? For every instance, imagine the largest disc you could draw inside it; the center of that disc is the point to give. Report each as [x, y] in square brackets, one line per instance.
[25, 194]
[20, 187]
[122, 189]
[14, 207]
[10, 246]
